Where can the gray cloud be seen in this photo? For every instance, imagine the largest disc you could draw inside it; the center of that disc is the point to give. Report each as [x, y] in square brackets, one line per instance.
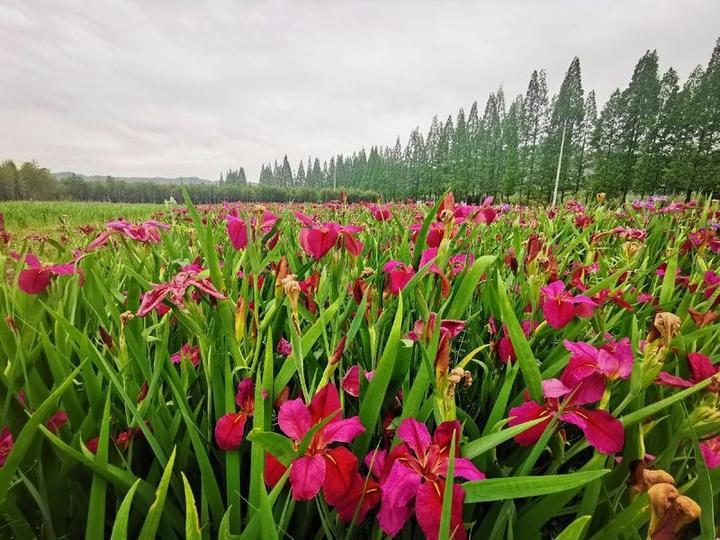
[191, 88]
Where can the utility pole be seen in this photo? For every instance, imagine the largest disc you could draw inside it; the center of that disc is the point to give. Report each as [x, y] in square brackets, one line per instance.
[557, 174]
[335, 177]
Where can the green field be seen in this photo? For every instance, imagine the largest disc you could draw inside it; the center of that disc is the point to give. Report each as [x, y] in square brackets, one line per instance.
[44, 216]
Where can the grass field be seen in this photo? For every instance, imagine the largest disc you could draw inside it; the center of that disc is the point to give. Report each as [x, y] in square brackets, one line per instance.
[360, 371]
[43, 216]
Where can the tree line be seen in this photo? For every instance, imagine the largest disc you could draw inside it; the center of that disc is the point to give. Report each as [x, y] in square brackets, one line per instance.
[30, 181]
[655, 135]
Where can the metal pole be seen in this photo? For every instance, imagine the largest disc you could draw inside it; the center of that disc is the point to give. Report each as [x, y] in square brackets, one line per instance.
[557, 174]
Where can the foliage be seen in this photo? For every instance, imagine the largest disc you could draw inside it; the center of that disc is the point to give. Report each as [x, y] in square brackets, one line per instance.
[289, 369]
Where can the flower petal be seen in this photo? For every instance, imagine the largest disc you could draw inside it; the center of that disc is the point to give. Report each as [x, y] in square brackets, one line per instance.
[444, 434]
[464, 468]
[229, 430]
[558, 313]
[307, 475]
[294, 419]
[603, 430]
[343, 430]
[415, 434]
[324, 403]
[273, 470]
[341, 466]
[400, 485]
[428, 510]
[524, 413]
[701, 366]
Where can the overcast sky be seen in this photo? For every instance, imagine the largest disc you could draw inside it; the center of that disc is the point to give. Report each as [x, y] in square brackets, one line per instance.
[182, 88]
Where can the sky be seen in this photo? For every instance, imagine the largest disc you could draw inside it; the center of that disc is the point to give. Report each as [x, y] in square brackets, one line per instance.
[191, 88]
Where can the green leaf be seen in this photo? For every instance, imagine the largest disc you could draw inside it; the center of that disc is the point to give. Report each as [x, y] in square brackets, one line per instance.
[517, 487]
[525, 357]
[24, 440]
[444, 532]
[120, 526]
[576, 530]
[479, 446]
[96, 509]
[192, 522]
[152, 521]
[465, 292]
[373, 399]
[278, 445]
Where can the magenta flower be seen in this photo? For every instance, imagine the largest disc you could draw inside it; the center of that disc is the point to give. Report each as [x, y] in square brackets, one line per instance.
[176, 289]
[602, 430]
[413, 479]
[57, 421]
[701, 368]
[423, 331]
[36, 277]
[710, 451]
[322, 466]
[188, 352]
[398, 275]
[6, 444]
[319, 239]
[147, 232]
[351, 380]
[560, 306]
[230, 428]
[237, 228]
[381, 212]
[284, 347]
[614, 360]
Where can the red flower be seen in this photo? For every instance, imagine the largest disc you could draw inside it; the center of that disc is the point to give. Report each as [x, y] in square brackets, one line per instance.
[559, 306]
[381, 212]
[322, 466]
[6, 444]
[413, 479]
[37, 276]
[187, 352]
[57, 421]
[92, 444]
[351, 380]
[602, 430]
[147, 232]
[230, 428]
[701, 368]
[710, 451]
[399, 274]
[176, 290]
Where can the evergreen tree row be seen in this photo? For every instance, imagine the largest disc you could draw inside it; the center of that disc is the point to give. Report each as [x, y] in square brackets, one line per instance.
[656, 135]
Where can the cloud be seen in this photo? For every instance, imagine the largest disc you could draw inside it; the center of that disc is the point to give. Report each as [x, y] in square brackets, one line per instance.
[193, 88]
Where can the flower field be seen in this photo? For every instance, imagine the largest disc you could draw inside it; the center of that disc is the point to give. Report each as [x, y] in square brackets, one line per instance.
[363, 371]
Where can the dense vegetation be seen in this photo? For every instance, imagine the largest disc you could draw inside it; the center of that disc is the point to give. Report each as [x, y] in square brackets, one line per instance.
[347, 371]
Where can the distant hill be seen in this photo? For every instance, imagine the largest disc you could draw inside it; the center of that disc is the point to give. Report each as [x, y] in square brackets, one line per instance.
[150, 179]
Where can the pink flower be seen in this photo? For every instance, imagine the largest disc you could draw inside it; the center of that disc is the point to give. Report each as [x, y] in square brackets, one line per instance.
[6, 444]
[710, 451]
[284, 347]
[614, 360]
[423, 331]
[602, 430]
[176, 290]
[381, 212]
[230, 428]
[188, 352]
[237, 228]
[701, 368]
[398, 275]
[319, 239]
[559, 306]
[322, 466]
[57, 421]
[413, 479]
[351, 380]
[36, 277]
[92, 444]
[147, 232]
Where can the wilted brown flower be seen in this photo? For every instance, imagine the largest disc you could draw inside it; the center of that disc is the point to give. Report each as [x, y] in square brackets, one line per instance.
[669, 511]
